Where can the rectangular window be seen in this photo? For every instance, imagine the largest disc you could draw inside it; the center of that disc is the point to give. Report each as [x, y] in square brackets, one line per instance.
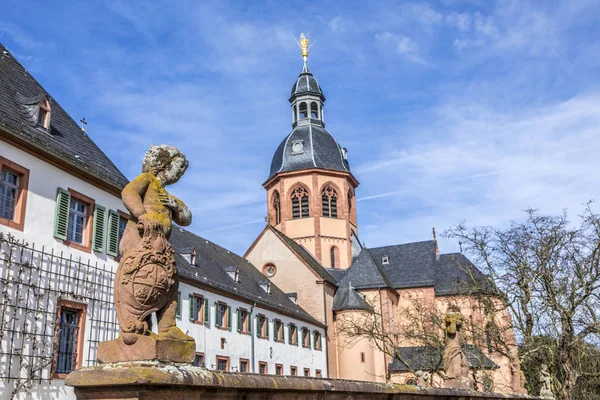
[305, 337]
[278, 327]
[74, 221]
[14, 182]
[196, 308]
[70, 334]
[262, 329]
[362, 357]
[223, 363]
[293, 339]
[293, 371]
[244, 363]
[242, 326]
[318, 373]
[221, 321]
[262, 368]
[78, 213]
[317, 340]
[307, 372]
[278, 369]
[199, 360]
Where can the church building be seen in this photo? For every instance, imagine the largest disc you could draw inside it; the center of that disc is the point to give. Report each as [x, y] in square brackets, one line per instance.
[310, 246]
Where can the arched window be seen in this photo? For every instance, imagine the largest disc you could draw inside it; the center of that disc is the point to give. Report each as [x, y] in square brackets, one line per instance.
[300, 203]
[303, 110]
[349, 202]
[277, 207]
[329, 202]
[295, 115]
[333, 255]
[314, 110]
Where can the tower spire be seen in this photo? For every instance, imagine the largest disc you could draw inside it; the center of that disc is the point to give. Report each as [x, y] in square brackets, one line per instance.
[303, 43]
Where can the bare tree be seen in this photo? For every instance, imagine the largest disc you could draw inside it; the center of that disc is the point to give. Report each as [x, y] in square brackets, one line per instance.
[548, 270]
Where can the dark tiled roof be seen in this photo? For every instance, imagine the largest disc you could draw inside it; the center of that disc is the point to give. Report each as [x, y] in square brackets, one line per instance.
[212, 264]
[320, 150]
[305, 255]
[337, 273]
[306, 84]
[410, 264]
[349, 299]
[65, 139]
[365, 273]
[456, 274]
[429, 358]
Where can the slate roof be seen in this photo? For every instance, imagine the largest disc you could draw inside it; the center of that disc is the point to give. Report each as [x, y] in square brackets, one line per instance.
[19, 91]
[212, 264]
[320, 150]
[428, 358]
[337, 273]
[305, 255]
[306, 84]
[412, 265]
[349, 299]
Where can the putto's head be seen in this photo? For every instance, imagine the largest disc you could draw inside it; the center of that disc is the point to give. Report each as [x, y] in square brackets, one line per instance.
[165, 162]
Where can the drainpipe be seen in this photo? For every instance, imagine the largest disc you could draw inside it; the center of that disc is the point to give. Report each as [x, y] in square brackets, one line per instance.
[382, 330]
[326, 330]
[252, 335]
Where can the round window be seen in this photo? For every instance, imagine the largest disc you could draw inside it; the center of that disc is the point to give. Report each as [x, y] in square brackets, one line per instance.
[297, 147]
[269, 270]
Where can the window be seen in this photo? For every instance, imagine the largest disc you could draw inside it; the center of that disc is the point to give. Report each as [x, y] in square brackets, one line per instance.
[329, 202]
[317, 340]
[349, 202]
[362, 357]
[278, 369]
[242, 321]
[305, 337]
[70, 334]
[293, 371]
[303, 110]
[222, 316]
[278, 327]
[223, 341]
[199, 360]
[43, 116]
[314, 110]
[277, 207]
[294, 112]
[293, 335]
[307, 372]
[385, 260]
[300, 203]
[262, 368]
[178, 309]
[75, 213]
[269, 270]
[262, 328]
[14, 182]
[244, 365]
[223, 363]
[333, 256]
[318, 373]
[198, 309]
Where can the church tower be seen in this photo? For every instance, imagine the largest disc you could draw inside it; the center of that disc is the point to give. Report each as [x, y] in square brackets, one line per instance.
[310, 189]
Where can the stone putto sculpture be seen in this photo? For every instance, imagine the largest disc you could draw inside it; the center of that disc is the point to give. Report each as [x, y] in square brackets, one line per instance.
[146, 280]
[545, 380]
[456, 366]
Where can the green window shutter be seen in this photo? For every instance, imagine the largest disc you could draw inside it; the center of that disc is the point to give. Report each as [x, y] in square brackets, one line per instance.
[249, 319]
[99, 228]
[178, 310]
[61, 219]
[206, 313]
[229, 318]
[112, 242]
[191, 307]
[267, 327]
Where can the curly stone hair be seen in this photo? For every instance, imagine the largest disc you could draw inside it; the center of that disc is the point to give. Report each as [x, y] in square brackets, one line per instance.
[165, 162]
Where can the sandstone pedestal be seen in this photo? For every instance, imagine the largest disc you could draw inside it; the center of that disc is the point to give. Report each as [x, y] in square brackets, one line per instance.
[458, 384]
[147, 348]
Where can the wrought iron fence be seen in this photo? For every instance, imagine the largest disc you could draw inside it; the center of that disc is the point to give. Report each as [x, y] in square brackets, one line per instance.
[32, 281]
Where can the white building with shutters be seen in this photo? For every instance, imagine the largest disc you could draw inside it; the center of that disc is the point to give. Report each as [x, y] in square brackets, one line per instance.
[61, 218]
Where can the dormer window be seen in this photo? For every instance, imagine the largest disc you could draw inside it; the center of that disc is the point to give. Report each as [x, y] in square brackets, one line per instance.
[266, 286]
[43, 115]
[233, 272]
[385, 260]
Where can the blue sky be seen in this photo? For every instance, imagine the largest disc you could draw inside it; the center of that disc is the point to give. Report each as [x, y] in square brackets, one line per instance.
[451, 110]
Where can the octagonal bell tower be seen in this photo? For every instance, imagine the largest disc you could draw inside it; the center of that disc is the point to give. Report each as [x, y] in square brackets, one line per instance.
[310, 189]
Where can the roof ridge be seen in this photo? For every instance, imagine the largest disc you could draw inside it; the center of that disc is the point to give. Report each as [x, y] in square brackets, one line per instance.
[402, 244]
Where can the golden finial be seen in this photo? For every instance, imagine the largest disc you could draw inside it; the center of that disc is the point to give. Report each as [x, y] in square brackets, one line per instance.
[303, 43]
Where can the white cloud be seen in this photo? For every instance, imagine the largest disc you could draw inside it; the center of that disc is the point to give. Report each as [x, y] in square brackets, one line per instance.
[427, 16]
[337, 24]
[403, 45]
[459, 21]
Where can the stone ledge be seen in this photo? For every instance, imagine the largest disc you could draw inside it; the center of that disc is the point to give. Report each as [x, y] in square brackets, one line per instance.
[147, 380]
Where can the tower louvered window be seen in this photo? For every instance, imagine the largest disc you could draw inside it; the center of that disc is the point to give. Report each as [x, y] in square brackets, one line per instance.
[277, 207]
[300, 203]
[329, 202]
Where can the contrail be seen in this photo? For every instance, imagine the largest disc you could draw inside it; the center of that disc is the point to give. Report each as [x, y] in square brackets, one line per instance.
[397, 192]
[256, 221]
